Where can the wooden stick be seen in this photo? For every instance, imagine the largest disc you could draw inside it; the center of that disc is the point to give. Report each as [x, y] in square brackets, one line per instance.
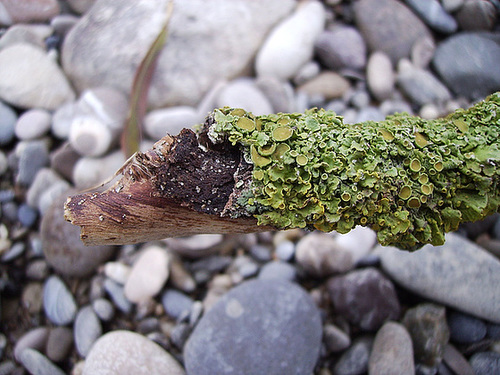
[409, 179]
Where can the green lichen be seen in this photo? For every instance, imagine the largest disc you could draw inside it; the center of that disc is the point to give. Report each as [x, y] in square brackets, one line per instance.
[409, 179]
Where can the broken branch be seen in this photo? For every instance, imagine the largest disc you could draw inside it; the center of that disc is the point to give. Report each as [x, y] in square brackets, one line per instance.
[409, 179]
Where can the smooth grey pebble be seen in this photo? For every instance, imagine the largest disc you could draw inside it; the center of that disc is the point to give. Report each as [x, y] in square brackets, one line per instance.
[464, 328]
[58, 302]
[285, 251]
[176, 303]
[278, 271]
[485, 363]
[87, 329]
[38, 364]
[115, 291]
[104, 309]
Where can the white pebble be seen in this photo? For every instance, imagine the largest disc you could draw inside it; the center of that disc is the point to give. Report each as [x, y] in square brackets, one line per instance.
[93, 171]
[290, 45]
[33, 124]
[160, 122]
[380, 75]
[148, 275]
[244, 93]
[89, 136]
[117, 271]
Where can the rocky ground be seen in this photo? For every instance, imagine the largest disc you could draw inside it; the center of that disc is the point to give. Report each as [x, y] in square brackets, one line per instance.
[273, 303]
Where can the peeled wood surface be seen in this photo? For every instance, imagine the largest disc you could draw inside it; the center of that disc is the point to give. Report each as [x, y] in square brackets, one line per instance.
[133, 216]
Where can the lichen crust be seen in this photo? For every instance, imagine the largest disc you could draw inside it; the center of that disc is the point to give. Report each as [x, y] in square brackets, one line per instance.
[409, 179]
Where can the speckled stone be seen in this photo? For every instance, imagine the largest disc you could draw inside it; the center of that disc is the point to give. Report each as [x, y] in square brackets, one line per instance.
[124, 352]
[250, 330]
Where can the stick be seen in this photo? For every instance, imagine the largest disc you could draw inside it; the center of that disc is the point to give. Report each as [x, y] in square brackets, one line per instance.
[409, 179]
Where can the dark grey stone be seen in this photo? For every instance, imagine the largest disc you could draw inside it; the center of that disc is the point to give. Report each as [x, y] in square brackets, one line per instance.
[26, 215]
[468, 64]
[260, 327]
[465, 329]
[365, 297]
[8, 120]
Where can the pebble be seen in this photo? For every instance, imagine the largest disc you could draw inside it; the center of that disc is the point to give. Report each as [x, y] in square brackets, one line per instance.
[179, 275]
[244, 93]
[477, 15]
[354, 361]
[278, 271]
[4, 166]
[180, 334]
[32, 297]
[196, 246]
[81, 6]
[62, 119]
[485, 363]
[280, 94]
[38, 364]
[33, 156]
[87, 329]
[62, 23]
[62, 246]
[456, 361]
[58, 302]
[465, 329]
[29, 34]
[380, 75]
[472, 78]
[59, 343]
[27, 11]
[261, 253]
[115, 291]
[63, 160]
[335, 339]
[89, 136]
[359, 242]
[33, 124]
[175, 303]
[265, 315]
[285, 251]
[125, 352]
[104, 309]
[392, 352]
[394, 38]
[421, 86]
[389, 107]
[148, 275]
[327, 85]
[89, 171]
[320, 255]
[365, 297]
[26, 215]
[8, 119]
[172, 120]
[458, 261]
[290, 45]
[307, 72]
[341, 47]
[434, 15]
[422, 52]
[452, 6]
[13, 252]
[225, 54]
[20, 62]
[34, 339]
[37, 269]
[427, 326]
[117, 271]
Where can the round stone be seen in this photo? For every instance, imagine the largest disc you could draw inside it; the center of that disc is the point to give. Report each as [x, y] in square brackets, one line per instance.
[278, 270]
[250, 329]
[33, 124]
[176, 304]
[124, 352]
[380, 76]
[59, 343]
[465, 329]
[38, 364]
[160, 122]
